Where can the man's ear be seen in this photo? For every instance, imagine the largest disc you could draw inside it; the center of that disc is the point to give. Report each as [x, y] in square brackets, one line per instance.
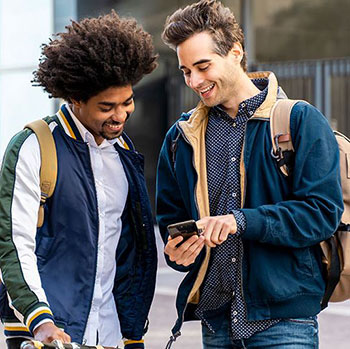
[237, 52]
[76, 103]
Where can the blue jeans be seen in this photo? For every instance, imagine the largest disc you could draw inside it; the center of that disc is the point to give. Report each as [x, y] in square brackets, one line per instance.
[301, 333]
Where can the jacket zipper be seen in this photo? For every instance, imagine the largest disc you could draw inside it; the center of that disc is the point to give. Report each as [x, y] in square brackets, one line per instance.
[243, 202]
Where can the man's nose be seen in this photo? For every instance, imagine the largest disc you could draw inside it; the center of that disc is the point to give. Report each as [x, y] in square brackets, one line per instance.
[119, 116]
[196, 81]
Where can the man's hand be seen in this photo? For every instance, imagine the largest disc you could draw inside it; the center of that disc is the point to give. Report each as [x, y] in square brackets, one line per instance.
[186, 253]
[217, 228]
[47, 332]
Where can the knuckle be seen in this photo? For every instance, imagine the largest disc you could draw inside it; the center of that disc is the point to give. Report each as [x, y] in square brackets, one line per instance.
[207, 239]
[214, 240]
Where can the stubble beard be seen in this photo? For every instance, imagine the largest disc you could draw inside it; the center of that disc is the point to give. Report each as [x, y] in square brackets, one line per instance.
[109, 137]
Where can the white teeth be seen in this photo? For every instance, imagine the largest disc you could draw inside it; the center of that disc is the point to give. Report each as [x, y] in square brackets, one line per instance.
[114, 127]
[207, 89]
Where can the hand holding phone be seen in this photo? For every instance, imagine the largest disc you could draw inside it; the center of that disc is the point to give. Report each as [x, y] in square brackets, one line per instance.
[184, 252]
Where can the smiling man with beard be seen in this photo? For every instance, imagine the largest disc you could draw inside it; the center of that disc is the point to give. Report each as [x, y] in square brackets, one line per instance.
[88, 274]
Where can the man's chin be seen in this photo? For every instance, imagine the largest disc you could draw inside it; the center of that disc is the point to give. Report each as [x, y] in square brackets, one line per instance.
[111, 135]
[209, 103]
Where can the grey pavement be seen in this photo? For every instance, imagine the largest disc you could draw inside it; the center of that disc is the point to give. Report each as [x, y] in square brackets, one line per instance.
[334, 321]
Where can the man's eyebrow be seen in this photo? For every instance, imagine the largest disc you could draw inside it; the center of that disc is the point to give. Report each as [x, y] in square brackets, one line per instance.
[111, 104]
[204, 60]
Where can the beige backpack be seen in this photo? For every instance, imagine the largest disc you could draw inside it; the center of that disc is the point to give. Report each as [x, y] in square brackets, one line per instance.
[336, 250]
[48, 169]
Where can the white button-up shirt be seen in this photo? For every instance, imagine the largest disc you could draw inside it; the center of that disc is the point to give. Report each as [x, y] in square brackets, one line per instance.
[103, 325]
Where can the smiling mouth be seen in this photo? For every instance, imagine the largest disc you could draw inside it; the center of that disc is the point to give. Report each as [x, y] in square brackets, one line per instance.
[115, 127]
[205, 91]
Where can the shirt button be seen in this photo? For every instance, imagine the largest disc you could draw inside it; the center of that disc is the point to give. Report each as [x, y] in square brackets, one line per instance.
[234, 124]
[243, 105]
[235, 313]
[235, 320]
[233, 293]
[234, 195]
[251, 113]
[233, 260]
[233, 159]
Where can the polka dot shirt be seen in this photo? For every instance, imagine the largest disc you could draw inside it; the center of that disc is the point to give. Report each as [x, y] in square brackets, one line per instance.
[223, 282]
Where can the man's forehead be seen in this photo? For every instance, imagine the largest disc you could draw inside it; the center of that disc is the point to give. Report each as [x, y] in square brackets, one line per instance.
[114, 95]
[196, 48]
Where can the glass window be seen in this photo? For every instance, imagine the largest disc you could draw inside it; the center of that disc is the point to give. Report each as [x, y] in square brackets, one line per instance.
[24, 26]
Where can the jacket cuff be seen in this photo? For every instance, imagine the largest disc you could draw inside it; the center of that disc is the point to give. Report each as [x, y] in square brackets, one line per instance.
[256, 221]
[133, 344]
[37, 315]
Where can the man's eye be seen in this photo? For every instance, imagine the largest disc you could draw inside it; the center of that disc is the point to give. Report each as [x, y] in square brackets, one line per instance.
[129, 102]
[187, 73]
[105, 110]
[203, 68]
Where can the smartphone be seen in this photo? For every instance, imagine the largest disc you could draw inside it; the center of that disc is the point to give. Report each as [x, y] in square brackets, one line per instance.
[185, 229]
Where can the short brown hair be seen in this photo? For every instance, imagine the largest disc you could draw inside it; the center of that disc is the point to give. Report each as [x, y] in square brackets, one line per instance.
[93, 55]
[205, 15]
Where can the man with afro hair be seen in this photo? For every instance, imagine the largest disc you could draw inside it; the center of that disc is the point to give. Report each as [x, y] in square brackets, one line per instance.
[87, 275]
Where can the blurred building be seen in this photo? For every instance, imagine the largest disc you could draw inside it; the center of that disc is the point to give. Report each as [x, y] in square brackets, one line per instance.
[303, 35]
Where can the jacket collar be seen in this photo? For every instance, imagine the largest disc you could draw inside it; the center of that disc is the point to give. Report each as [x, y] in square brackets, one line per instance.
[264, 110]
[68, 123]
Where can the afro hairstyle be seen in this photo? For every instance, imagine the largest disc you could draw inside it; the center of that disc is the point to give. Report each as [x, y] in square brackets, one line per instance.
[93, 55]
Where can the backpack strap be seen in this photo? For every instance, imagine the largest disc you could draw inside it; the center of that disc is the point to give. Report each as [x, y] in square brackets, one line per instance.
[48, 169]
[332, 251]
[282, 146]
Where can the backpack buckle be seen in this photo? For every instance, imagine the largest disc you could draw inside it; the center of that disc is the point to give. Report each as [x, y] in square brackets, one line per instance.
[278, 153]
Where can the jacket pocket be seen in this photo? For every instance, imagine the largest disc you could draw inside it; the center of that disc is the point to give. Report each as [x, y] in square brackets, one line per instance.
[303, 262]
